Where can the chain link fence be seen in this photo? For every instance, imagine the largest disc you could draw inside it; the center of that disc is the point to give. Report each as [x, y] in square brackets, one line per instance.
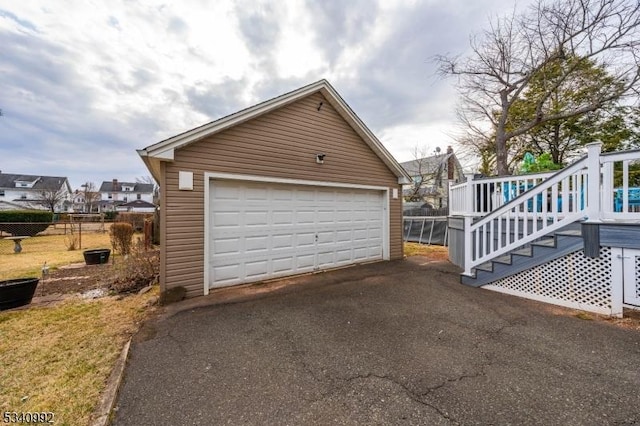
[14, 235]
[18, 237]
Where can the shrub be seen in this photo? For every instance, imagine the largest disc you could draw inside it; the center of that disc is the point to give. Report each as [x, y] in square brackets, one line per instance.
[110, 215]
[135, 219]
[25, 222]
[140, 269]
[121, 234]
[72, 239]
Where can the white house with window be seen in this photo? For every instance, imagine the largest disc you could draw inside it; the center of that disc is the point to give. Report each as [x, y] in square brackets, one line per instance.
[126, 196]
[19, 192]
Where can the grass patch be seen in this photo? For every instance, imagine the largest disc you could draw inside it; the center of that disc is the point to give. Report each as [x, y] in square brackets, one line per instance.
[57, 359]
[432, 251]
[48, 248]
[584, 316]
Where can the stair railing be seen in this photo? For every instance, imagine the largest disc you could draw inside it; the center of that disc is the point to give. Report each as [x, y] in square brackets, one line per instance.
[558, 201]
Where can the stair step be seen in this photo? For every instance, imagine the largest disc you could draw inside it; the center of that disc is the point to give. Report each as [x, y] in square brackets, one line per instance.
[571, 232]
[550, 247]
[549, 242]
[505, 258]
[486, 266]
[525, 251]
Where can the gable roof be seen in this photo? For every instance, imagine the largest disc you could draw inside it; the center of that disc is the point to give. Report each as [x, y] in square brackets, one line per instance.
[431, 164]
[139, 204]
[164, 150]
[8, 180]
[107, 186]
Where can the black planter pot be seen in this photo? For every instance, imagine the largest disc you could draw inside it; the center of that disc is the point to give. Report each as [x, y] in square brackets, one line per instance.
[18, 292]
[96, 257]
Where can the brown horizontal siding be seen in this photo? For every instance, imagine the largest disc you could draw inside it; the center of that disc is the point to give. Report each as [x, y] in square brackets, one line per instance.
[395, 231]
[280, 144]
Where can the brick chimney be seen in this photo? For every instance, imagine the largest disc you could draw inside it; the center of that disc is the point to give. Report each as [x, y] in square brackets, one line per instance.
[451, 164]
[115, 186]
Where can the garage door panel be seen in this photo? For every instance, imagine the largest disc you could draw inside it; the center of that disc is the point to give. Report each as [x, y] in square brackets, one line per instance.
[283, 264]
[344, 236]
[360, 234]
[305, 240]
[256, 218]
[374, 234]
[227, 272]
[345, 255]
[226, 246]
[256, 269]
[305, 217]
[225, 192]
[305, 195]
[226, 219]
[305, 262]
[282, 241]
[266, 230]
[325, 258]
[255, 194]
[360, 253]
[283, 217]
[256, 243]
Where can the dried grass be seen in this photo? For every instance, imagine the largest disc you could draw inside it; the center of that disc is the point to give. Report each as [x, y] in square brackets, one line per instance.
[57, 359]
[430, 251]
[51, 249]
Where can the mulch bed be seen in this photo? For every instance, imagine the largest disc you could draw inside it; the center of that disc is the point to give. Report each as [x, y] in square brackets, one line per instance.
[125, 276]
[75, 278]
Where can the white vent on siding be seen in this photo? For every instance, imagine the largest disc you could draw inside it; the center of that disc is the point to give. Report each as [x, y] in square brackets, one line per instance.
[185, 181]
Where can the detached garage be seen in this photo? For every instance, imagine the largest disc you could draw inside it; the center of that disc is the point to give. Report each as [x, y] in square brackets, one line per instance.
[292, 185]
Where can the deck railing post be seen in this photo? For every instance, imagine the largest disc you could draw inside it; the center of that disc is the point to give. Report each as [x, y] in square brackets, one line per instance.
[468, 244]
[469, 208]
[593, 181]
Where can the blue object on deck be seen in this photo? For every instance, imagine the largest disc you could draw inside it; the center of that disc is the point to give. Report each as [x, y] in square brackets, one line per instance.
[634, 198]
[511, 191]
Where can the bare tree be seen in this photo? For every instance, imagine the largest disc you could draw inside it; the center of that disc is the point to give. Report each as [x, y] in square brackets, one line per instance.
[91, 196]
[426, 172]
[518, 48]
[50, 198]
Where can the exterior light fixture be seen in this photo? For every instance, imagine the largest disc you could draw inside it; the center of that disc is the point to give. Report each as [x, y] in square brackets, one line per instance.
[320, 158]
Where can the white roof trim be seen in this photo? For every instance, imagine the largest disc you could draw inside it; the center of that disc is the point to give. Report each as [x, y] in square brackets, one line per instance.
[164, 150]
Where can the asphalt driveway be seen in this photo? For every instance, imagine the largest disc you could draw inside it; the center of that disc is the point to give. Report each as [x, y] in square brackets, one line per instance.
[388, 343]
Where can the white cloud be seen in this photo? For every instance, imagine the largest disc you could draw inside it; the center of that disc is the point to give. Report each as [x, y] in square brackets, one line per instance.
[87, 80]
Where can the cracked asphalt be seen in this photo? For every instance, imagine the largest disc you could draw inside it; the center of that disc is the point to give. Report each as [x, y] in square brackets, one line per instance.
[389, 343]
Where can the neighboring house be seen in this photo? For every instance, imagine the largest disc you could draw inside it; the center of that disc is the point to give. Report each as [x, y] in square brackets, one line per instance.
[292, 185]
[34, 192]
[81, 203]
[137, 206]
[430, 177]
[114, 194]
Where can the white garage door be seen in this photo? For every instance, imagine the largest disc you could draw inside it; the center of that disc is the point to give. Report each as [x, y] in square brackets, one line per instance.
[263, 230]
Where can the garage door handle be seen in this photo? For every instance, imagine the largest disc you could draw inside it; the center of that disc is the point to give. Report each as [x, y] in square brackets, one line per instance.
[623, 257]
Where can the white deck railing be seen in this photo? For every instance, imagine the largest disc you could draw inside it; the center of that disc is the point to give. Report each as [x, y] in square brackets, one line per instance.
[504, 213]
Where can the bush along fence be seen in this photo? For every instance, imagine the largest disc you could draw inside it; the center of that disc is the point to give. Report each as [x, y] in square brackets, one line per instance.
[19, 231]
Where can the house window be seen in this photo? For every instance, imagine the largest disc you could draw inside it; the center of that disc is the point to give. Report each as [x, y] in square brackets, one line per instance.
[23, 196]
[125, 199]
[110, 196]
[139, 197]
[1, 192]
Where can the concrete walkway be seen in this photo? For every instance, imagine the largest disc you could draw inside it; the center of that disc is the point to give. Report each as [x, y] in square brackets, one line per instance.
[389, 343]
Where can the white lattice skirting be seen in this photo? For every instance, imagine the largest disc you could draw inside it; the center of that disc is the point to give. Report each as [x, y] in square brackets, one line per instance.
[574, 281]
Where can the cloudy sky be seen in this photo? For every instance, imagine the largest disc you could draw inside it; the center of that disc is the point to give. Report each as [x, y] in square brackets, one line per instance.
[83, 84]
